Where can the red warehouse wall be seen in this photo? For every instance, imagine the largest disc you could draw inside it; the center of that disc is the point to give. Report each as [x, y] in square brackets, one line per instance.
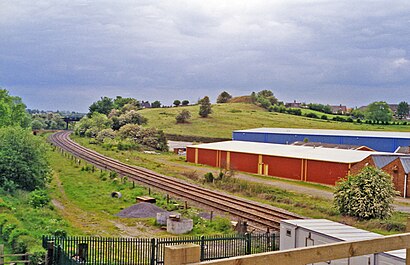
[190, 154]
[207, 157]
[283, 167]
[325, 172]
[244, 162]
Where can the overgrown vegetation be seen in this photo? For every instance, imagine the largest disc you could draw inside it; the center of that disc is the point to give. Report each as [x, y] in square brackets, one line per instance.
[118, 123]
[366, 195]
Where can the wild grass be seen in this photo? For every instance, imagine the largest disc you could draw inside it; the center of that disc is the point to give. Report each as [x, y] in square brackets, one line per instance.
[238, 116]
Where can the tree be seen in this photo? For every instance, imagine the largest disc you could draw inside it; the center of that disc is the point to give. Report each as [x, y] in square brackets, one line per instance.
[183, 116]
[13, 111]
[156, 104]
[267, 94]
[23, 159]
[177, 102]
[91, 126]
[205, 107]
[120, 102]
[403, 110]
[379, 111]
[366, 195]
[133, 117]
[103, 106]
[357, 114]
[223, 97]
[185, 102]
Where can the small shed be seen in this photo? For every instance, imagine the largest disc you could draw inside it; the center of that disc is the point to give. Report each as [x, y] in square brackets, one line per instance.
[313, 232]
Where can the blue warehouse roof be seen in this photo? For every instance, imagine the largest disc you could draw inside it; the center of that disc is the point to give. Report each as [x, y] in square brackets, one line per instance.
[382, 134]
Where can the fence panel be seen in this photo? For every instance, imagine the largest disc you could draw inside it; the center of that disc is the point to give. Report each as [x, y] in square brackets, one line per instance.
[145, 251]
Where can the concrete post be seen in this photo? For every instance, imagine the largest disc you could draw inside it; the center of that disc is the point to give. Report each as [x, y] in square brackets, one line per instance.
[182, 254]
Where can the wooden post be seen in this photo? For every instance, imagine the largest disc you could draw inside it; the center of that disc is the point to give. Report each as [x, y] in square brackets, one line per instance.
[408, 249]
[1, 254]
[186, 205]
[212, 216]
[50, 253]
[167, 198]
[182, 254]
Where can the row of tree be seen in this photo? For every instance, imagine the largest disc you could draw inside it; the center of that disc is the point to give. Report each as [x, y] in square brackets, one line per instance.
[117, 122]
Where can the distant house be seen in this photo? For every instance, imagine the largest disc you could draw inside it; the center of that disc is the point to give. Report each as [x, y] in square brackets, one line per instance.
[293, 104]
[394, 108]
[145, 104]
[339, 109]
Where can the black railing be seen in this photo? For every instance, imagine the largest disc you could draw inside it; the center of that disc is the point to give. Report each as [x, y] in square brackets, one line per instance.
[98, 250]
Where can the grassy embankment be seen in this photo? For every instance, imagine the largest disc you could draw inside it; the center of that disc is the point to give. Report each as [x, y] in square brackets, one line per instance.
[303, 204]
[237, 116]
[82, 205]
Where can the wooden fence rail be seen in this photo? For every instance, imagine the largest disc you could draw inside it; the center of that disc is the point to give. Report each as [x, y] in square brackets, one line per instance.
[16, 258]
[189, 254]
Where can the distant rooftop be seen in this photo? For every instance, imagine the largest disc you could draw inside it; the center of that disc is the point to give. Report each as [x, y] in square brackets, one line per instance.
[381, 134]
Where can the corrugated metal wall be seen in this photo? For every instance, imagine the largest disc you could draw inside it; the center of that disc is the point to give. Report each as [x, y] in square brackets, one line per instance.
[377, 143]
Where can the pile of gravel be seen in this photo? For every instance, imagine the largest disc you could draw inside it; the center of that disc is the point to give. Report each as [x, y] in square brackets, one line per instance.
[141, 210]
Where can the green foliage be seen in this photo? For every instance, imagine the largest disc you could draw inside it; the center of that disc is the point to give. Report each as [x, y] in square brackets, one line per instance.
[149, 137]
[177, 102]
[205, 107]
[49, 121]
[320, 107]
[312, 115]
[379, 111]
[120, 102]
[91, 126]
[12, 111]
[103, 106]
[224, 97]
[185, 102]
[23, 160]
[39, 199]
[369, 194]
[183, 116]
[403, 110]
[356, 113]
[156, 104]
[131, 117]
[105, 134]
[209, 177]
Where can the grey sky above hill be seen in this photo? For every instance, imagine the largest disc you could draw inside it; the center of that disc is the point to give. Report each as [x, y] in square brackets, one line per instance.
[66, 54]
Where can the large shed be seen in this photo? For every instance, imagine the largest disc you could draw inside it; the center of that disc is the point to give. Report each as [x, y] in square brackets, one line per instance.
[306, 163]
[377, 140]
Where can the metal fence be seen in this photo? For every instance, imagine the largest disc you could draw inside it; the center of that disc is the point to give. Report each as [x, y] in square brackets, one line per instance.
[145, 251]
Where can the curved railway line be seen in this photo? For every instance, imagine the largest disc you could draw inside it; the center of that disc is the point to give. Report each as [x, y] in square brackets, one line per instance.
[259, 215]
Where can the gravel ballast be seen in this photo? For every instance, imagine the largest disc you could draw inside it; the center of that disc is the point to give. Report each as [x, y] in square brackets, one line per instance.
[141, 210]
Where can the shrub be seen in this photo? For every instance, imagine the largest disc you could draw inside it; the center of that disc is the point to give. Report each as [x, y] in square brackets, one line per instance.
[209, 177]
[367, 195]
[311, 115]
[39, 199]
[183, 116]
[323, 117]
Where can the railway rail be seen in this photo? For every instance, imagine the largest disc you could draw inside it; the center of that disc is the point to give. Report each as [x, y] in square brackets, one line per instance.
[259, 215]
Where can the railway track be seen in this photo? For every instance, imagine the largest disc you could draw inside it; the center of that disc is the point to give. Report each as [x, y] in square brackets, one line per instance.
[259, 215]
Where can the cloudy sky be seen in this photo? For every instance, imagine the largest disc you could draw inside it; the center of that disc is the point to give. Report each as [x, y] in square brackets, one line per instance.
[66, 54]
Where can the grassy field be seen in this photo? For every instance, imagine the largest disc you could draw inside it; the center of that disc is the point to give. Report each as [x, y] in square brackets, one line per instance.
[237, 116]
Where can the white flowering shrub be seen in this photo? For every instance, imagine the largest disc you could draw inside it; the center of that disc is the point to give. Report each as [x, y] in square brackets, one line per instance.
[367, 195]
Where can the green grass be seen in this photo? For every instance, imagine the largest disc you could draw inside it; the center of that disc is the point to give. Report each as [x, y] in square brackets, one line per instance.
[237, 116]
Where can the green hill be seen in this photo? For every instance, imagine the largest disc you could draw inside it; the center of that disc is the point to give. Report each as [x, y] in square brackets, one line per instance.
[236, 116]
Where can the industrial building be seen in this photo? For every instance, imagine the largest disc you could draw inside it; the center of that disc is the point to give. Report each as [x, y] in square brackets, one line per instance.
[314, 232]
[379, 141]
[305, 163]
